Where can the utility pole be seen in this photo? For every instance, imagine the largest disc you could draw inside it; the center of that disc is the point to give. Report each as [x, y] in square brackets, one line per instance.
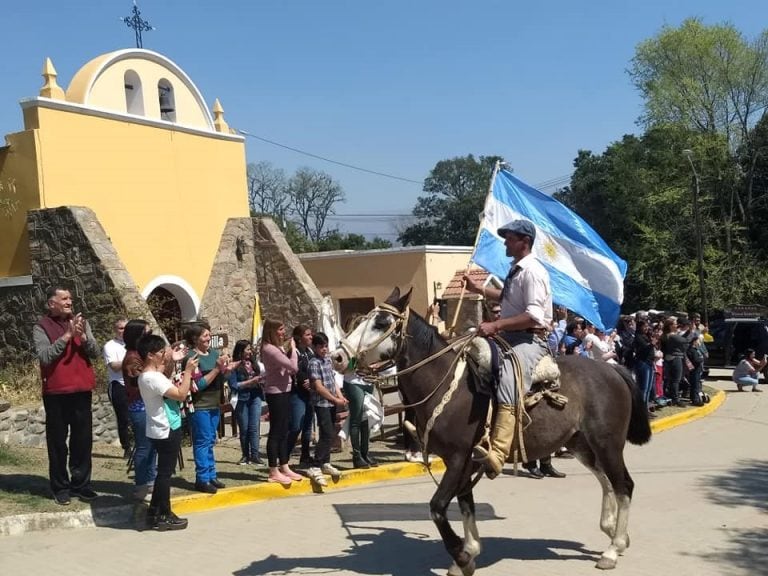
[699, 250]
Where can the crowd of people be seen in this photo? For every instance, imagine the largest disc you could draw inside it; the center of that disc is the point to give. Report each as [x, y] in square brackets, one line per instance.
[666, 354]
[155, 387]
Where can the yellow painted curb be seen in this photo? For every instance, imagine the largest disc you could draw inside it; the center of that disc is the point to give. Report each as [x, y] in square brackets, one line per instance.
[668, 422]
[265, 491]
[250, 493]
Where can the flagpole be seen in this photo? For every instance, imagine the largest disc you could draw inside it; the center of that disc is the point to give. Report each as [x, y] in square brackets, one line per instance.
[452, 329]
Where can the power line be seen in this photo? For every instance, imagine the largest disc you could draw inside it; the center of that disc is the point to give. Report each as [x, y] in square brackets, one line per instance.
[324, 159]
[550, 183]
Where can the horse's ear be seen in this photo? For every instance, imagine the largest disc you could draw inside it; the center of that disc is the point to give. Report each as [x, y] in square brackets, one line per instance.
[403, 302]
[394, 297]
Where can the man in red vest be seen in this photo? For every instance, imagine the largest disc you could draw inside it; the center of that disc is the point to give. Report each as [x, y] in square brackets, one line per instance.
[65, 347]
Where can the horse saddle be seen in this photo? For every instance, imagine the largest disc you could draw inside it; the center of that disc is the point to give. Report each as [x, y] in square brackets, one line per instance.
[488, 355]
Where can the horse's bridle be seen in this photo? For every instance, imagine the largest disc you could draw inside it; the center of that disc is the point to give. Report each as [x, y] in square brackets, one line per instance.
[397, 327]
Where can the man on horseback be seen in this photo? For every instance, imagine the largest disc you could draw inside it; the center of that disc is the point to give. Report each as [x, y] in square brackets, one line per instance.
[526, 315]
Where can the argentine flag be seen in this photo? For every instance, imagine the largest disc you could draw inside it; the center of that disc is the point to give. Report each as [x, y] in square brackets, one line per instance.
[586, 276]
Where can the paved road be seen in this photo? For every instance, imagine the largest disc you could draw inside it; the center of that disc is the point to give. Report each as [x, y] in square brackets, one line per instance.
[700, 508]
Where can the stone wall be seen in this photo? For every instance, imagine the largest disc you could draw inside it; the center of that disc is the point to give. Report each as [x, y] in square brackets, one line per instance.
[253, 257]
[26, 426]
[19, 310]
[68, 247]
[286, 291]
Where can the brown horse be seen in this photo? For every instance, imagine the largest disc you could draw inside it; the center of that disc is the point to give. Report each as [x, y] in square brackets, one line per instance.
[604, 410]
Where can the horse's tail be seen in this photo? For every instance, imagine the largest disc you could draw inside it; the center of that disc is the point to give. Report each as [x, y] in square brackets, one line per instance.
[639, 425]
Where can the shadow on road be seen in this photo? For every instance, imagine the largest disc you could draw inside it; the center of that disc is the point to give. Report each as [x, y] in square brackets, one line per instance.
[742, 485]
[378, 550]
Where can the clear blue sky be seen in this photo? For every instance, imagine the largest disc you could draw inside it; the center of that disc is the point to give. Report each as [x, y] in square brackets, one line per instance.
[392, 86]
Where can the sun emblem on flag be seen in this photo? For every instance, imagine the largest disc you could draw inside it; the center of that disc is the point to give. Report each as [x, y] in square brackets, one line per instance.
[550, 250]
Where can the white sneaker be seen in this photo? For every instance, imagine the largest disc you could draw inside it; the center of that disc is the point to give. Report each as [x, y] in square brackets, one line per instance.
[315, 475]
[143, 493]
[413, 457]
[417, 458]
[332, 471]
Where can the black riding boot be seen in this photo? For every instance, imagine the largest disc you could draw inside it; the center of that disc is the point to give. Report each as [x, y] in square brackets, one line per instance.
[358, 461]
[533, 470]
[545, 465]
[365, 438]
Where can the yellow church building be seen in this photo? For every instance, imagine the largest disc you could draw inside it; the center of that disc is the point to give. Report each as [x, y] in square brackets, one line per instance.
[132, 139]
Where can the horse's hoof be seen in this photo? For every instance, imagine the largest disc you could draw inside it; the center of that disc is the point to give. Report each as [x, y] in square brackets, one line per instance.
[454, 570]
[469, 569]
[606, 563]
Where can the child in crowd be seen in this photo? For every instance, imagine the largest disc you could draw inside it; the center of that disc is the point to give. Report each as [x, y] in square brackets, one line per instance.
[163, 407]
[326, 396]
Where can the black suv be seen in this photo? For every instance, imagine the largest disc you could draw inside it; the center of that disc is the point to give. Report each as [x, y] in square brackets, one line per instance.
[740, 327]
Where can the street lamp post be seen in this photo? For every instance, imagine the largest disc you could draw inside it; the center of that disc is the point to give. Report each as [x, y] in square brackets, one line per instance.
[697, 223]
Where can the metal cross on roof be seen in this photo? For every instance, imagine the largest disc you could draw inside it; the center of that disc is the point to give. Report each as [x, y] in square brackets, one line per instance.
[137, 24]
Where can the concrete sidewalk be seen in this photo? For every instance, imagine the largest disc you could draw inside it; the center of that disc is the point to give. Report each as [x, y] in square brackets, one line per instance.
[126, 515]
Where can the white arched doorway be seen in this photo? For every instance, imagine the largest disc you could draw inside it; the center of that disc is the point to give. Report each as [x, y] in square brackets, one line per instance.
[172, 301]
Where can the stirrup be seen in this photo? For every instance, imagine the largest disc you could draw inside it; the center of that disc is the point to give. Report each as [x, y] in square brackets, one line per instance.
[481, 450]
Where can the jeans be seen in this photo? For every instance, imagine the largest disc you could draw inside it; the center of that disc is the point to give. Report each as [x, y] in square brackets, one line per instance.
[279, 415]
[359, 434]
[204, 424]
[325, 427]
[645, 375]
[119, 400]
[249, 420]
[300, 423]
[747, 381]
[167, 453]
[694, 380]
[145, 455]
[69, 415]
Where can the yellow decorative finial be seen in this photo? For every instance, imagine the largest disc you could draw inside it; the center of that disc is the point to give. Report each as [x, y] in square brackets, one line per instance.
[218, 118]
[50, 89]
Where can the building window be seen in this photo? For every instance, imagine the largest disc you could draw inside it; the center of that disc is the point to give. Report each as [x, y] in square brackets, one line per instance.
[167, 101]
[134, 96]
[351, 307]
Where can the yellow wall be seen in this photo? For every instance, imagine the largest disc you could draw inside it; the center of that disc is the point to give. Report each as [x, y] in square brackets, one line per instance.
[162, 195]
[375, 273]
[19, 168]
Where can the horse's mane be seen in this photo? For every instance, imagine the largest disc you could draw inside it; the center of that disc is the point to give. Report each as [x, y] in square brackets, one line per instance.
[424, 334]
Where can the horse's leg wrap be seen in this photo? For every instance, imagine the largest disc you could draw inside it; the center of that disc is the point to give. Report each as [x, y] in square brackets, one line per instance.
[501, 441]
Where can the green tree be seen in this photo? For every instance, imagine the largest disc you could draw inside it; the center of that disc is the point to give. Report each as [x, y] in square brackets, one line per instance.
[449, 213]
[706, 78]
[638, 197]
[336, 240]
[296, 238]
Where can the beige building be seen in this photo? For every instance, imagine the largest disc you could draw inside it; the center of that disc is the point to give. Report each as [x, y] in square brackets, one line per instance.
[357, 280]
